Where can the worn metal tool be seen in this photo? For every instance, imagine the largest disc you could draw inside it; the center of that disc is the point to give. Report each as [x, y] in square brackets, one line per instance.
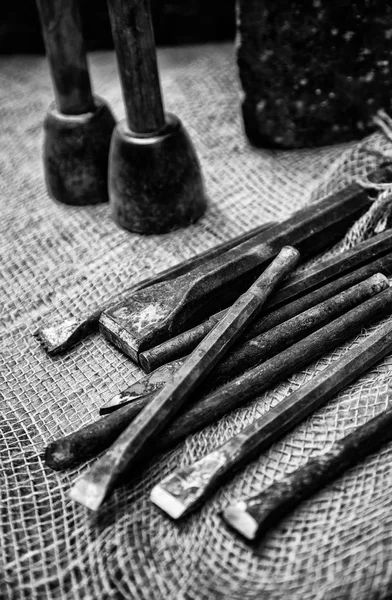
[79, 126]
[253, 517]
[155, 181]
[92, 489]
[253, 348]
[186, 489]
[159, 312]
[146, 385]
[276, 307]
[59, 336]
[92, 439]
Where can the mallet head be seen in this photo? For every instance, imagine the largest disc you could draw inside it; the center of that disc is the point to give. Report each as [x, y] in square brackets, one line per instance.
[76, 150]
[155, 181]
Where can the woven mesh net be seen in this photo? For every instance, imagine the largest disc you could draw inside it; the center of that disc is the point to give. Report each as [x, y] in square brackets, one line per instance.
[61, 261]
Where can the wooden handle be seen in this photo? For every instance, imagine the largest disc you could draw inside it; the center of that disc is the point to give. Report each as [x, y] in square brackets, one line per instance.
[62, 32]
[134, 43]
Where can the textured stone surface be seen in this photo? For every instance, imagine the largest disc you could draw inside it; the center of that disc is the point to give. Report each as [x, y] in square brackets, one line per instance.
[313, 73]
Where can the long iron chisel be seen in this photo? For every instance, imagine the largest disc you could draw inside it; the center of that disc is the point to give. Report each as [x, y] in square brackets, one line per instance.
[60, 335]
[286, 302]
[184, 490]
[92, 489]
[160, 311]
[97, 436]
[253, 517]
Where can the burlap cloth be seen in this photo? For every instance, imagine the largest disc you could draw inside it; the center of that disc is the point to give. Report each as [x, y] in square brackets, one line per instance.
[58, 260]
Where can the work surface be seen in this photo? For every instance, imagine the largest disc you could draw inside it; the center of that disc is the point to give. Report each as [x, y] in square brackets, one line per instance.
[57, 260]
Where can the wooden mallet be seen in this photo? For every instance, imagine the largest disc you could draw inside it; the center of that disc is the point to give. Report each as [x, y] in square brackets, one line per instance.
[155, 182]
[78, 126]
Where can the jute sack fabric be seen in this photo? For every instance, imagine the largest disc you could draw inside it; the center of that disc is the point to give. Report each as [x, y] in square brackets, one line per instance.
[58, 261]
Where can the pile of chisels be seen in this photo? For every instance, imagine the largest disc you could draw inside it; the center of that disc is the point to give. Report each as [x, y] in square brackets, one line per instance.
[214, 333]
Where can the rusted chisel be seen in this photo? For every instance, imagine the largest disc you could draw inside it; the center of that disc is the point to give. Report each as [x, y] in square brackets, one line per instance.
[96, 437]
[60, 335]
[158, 312]
[333, 269]
[253, 517]
[251, 351]
[184, 490]
[145, 385]
[92, 489]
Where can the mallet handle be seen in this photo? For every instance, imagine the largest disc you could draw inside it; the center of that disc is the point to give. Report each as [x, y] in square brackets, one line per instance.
[134, 43]
[62, 32]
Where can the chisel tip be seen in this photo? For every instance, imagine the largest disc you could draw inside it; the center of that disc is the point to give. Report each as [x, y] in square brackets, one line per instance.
[115, 403]
[239, 519]
[59, 336]
[173, 507]
[87, 493]
[148, 384]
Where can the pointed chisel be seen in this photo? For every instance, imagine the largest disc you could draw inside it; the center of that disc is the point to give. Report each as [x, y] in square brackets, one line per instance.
[92, 489]
[146, 385]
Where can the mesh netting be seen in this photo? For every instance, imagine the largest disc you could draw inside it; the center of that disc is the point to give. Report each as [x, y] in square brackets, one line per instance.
[59, 261]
